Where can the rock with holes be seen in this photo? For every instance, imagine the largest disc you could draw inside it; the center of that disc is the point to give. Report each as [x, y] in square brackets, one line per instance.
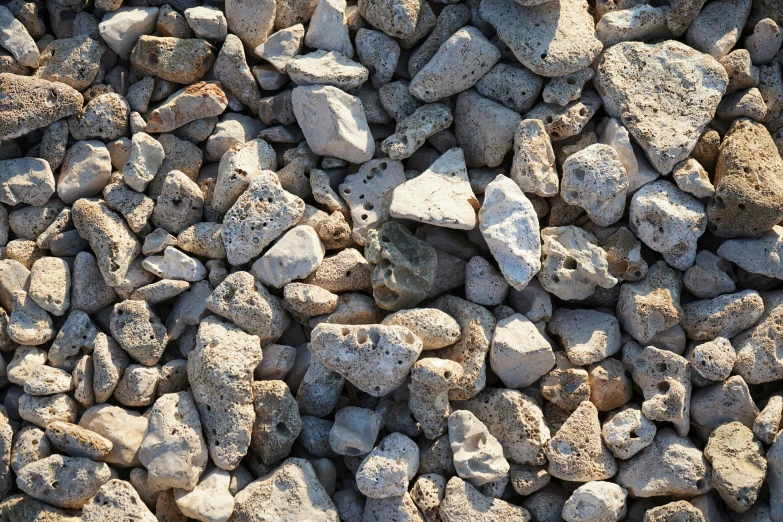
[665, 380]
[220, 371]
[375, 358]
[573, 265]
[748, 196]
[66, 482]
[77, 441]
[333, 122]
[667, 126]
[431, 381]
[722, 316]
[738, 465]
[290, 493]
[173, 449]
[595, 179]
[669, 221]
[627, 432]
[440, 196]
[139, 331]
[411, 133]
[249, 305]
[534, 168]
[397, 18]
[460, 62]
[711, 361]
[478, 456]
[671, 465]
[652, 305]
[116, 500]
[368, 194]
[464, 503]
[577, 452]
[404, 269]
[29, 103]
[386, 471]
[277, 423]
[263, 212]
[237, 167]
[509, 224]
[179, 204]
[427, 493]
[588, 336]
[519, 354]
[435, 328]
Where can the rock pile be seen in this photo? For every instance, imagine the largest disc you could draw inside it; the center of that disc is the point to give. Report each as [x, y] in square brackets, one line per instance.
[391, 261]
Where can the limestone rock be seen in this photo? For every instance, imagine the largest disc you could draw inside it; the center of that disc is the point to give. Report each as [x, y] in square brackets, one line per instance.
[723, 316]
[666, 123]
[534, 168]
[595, 179]
[116, 500]
[627, 432]
[738, 465]
[478, 456]
[652, 305]
[509, 224]
[31, 103]
[519, 354]
[294, 256]
[387, 469]
[440, 196]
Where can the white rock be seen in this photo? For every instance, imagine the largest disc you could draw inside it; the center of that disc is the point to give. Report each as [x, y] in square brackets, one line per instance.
[280, 47]
[210, 500]
[207, 22]
[145, 159]
[333, 122]
[386, 471]
[718, 27]
[122, 28]
[509, 225]
[328, 29]
[295, 255]
[669, 221]
[85, 170]
[597, 501]
[25, 180]
[440, 196]
[478, 456]
[354, 431]
[519, 354]
[594, 179]
[50, 284]
[174, 264]
[637, 168]
[691, 177]
[758, 256]
[237, 167]
[484, 284]
[16, 40]
[251, 21]
[588, 336]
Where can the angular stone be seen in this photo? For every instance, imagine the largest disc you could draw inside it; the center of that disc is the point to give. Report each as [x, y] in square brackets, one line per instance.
[210, 500]
[412, 131]
[554, 38]
[277, 423]
[139, 331]
[627, 432]
[66, 482]
[121, 28]
[196, 102]
[29, 103]
[667, 125]
[25, 180]
[478, 463]
[294, 256]
[222, 387]
[519, 354]
[738, 465]
[116, 500]
[588, 336]
[464, 503]
[534, 167]
[387, 469]
[440, 196]
[757, 256]
[652, 305]
[509, 224]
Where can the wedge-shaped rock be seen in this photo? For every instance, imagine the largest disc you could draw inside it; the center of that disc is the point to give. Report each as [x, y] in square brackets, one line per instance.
[220, 370]
[291, 493]
[413, 131]
[197, 101]
[173, 449]
[577, 451]
[117, 500]
[237, 167]
[261, 214]
[509, 225]
[333, 122]
[534, 167]
[375, 358]
[440, 196]
[554, 38]
[28, 103]
[664, 94]
[327, 68]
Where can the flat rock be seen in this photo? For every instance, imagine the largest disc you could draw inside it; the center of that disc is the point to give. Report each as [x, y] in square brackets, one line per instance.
[30, 103]
[66, 482]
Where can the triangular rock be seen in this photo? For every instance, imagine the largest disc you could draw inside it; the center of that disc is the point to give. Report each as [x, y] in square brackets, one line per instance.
[665, 94]
[440, 196]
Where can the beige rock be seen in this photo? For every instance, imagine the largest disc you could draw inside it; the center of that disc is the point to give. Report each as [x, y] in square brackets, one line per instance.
[519, 354]
[66, 482]
[477, 462]
[534, 167]
[738, 465]
[197, 101]
[627, 432]
[31, 103]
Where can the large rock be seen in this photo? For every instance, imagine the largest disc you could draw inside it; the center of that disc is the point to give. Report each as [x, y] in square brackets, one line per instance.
[664, 94]
[748, 196]
[333, 122]
[220, 370]
[554, 38]
[28, 103]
